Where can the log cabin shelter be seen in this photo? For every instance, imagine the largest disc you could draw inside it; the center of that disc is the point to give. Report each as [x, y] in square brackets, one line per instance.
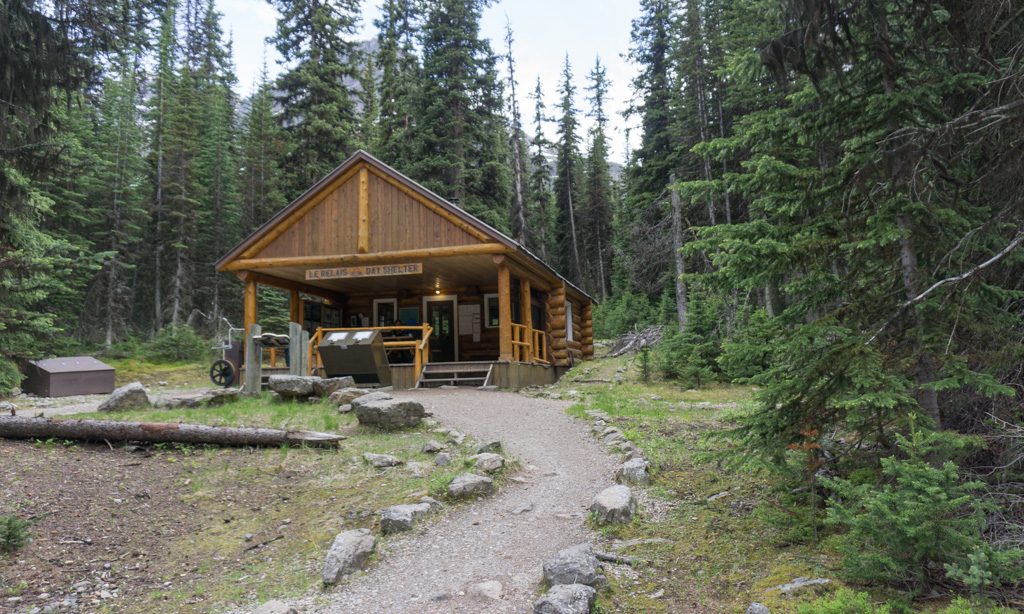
[367, 247]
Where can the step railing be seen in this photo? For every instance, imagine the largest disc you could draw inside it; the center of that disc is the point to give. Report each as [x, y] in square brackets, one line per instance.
[420, 347]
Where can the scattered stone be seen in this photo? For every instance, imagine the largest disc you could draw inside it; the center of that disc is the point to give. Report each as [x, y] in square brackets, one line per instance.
[348, 553]
[381, 460]
[487, 388]
[440, 596]
[800, 583]
[345, 396]
[376, 395]
[325, 387]
[432, 447]
[574, 565]
[456, 437]
[522, 508]
[721, 495]
[8, 408]
[658, 594]
[345, 409]
[388, 414]
[275, 607]
[417, 469]
[248, 537]
[223, 396]
[566, 599]
[432, 502]
[401, 517]
[443, 459]
[633, 473]
[758, 608]
[490, 590]
[129, 396]
[493, 446]
[487, 462]
[613, 438]
[292, 386]
[614, 504]
[470, 485]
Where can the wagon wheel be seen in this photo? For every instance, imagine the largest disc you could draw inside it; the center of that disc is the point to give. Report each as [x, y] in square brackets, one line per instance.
[222, 373]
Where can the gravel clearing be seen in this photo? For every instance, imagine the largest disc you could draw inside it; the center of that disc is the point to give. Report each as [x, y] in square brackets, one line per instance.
[504, 538]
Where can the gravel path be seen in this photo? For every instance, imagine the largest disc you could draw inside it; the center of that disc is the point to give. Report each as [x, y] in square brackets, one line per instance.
[430, 570]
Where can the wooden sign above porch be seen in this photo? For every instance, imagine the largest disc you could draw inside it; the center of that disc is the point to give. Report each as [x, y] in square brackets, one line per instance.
[375, 270]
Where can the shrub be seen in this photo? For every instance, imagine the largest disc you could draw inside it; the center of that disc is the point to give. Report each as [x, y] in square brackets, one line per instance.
[13, 533]
[177, 343]
[682, 357]
[843, 601]
[621, 314]
[10, 376]
[925, 519]
[748, 352]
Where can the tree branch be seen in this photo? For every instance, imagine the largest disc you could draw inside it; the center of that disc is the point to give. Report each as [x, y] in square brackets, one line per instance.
[1014, 244]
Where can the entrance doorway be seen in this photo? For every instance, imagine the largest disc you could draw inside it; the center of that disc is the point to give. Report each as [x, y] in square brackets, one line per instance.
[439, 312]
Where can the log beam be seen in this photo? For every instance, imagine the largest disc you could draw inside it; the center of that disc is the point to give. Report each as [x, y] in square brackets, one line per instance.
[287, 284]
[375, 258]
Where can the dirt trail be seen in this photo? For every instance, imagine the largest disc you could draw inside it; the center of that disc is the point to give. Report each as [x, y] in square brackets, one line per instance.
[430, 570]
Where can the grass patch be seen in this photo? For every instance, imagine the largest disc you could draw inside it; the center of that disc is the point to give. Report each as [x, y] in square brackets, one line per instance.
[176, 374]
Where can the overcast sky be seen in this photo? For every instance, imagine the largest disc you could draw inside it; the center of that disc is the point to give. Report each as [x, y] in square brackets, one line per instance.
[545, 31]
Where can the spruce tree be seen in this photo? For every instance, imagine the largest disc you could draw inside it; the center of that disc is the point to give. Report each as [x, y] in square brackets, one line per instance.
[316, 93]
[461, 139]
[262, 145]
[400, 75]
[596, 212]
[567, 181]
[539, 232]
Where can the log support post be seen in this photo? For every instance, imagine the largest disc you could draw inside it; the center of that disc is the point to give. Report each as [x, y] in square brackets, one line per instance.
[526, 309]
[504, 310]
[296, 351]
[295, 307]
[249, 306]
[364, 211]
[253, 366]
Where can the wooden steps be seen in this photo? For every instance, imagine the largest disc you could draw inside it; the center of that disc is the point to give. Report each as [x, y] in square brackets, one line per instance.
[462, 374]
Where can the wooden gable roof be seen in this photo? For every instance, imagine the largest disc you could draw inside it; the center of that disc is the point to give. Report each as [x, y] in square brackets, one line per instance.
[365, 207]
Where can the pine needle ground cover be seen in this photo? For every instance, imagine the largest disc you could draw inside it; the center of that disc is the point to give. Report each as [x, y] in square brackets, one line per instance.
[195, 529]
[730, 537]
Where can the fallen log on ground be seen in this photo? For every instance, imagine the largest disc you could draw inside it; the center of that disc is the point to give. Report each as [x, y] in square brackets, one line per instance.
[18, 427]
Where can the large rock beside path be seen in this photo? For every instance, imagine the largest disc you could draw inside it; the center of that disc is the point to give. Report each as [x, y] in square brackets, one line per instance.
[566, 599]
[401, 517]
[469, 485]
[487, 462]
[614, 504]
[129, 396]
[348, 553]
[325, 387]
[388, 414]
[292, 386]
[345, 396]
[633, 472]
[574, 565]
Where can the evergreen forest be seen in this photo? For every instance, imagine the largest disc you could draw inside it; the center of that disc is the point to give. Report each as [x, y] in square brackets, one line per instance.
[824, 199]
